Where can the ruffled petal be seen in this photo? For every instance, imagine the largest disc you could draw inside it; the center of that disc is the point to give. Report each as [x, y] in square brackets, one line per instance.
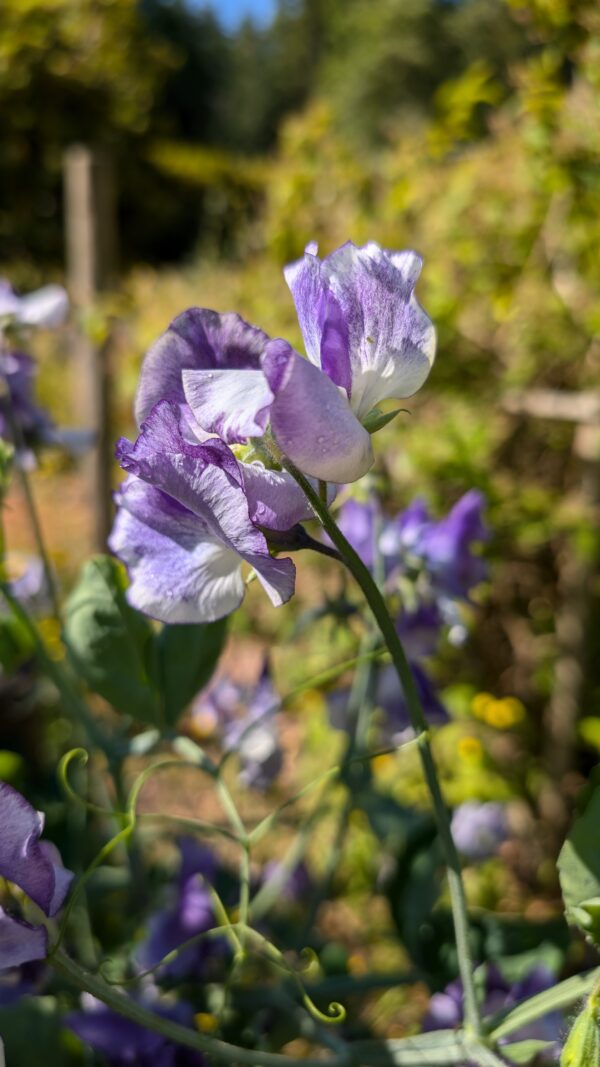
[392, 340]
[22, 859]
[20, 942]
[62, 876]
[234, 404]
[312, 420]
[322, 322]
[48, 306]
[179, 572]
[275, 500]
[198, 339]
[206, 479]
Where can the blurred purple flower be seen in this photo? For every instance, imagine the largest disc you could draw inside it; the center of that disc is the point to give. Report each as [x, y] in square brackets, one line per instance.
[23, 423]
[413, 542]
[479, 828]
[395, 728]
[391, 698]
[293, 886]
[446, 1009]
[190, 913]
[126, 1043]
[245, 721]
[446, 547]
[357, 521]
[367, 339]
[36, 868]
[47, 306]
[31, 587]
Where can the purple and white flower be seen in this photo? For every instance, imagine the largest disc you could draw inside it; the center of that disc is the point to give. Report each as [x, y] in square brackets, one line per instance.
[189, 518]
[245, 720]
[35, 867]
[45, 307]
[367, 340]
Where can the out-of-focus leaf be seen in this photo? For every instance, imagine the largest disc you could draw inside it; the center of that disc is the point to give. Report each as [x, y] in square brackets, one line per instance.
[579, 869]
[441, 1047]
[582, 1048]
[187, 657]
[111, 644]
[524, 1051]
[413, 890]
[33, 1024]
[16, 646]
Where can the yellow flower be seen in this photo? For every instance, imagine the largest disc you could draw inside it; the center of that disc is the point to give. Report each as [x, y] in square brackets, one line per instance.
[50, 633]
[470, 749]
[206, 1022]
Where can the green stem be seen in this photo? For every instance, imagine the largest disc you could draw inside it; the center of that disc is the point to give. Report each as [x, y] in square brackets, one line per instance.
[222, 1051]
[385, 623]
[34, 520]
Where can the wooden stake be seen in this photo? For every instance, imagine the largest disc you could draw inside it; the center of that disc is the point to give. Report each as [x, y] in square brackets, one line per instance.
[90, 231]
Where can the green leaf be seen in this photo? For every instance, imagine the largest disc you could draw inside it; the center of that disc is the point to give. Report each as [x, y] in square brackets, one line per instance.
[442, 1047]
[110, 643]
[31, 1024]
[376, 419]
[582, 1047]
[524, 1051]
[579, 869]
[558, 998]
[187, 657]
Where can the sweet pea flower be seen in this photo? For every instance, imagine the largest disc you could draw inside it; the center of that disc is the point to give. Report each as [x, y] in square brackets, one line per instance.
[446, 546]
[293, 886]
[395, 727]
[245, 720]
[446, 1009]
[23, 423]
[479, 828]
[190, 913]
[367, 340]
[188, 519]
[124, 1042]
[35, 867]
[45, 307]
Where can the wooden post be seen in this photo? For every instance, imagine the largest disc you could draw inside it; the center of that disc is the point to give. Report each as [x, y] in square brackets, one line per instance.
[90, 230]
[576, 575]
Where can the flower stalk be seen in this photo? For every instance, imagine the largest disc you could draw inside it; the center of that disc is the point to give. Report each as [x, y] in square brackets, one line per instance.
[376, 602]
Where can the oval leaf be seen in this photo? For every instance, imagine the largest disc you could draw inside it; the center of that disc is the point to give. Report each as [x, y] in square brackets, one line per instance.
[111, 644]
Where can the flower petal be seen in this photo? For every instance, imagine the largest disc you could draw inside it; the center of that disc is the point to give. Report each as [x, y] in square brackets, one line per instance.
[198, 339]
[20, 942]
[206, 479]
[179, 572]
[234, 404]
[275, 500]
[392, 340]
[323, 324]
[62, 876]
[48, 306]
[312, 420]
[22, 858]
